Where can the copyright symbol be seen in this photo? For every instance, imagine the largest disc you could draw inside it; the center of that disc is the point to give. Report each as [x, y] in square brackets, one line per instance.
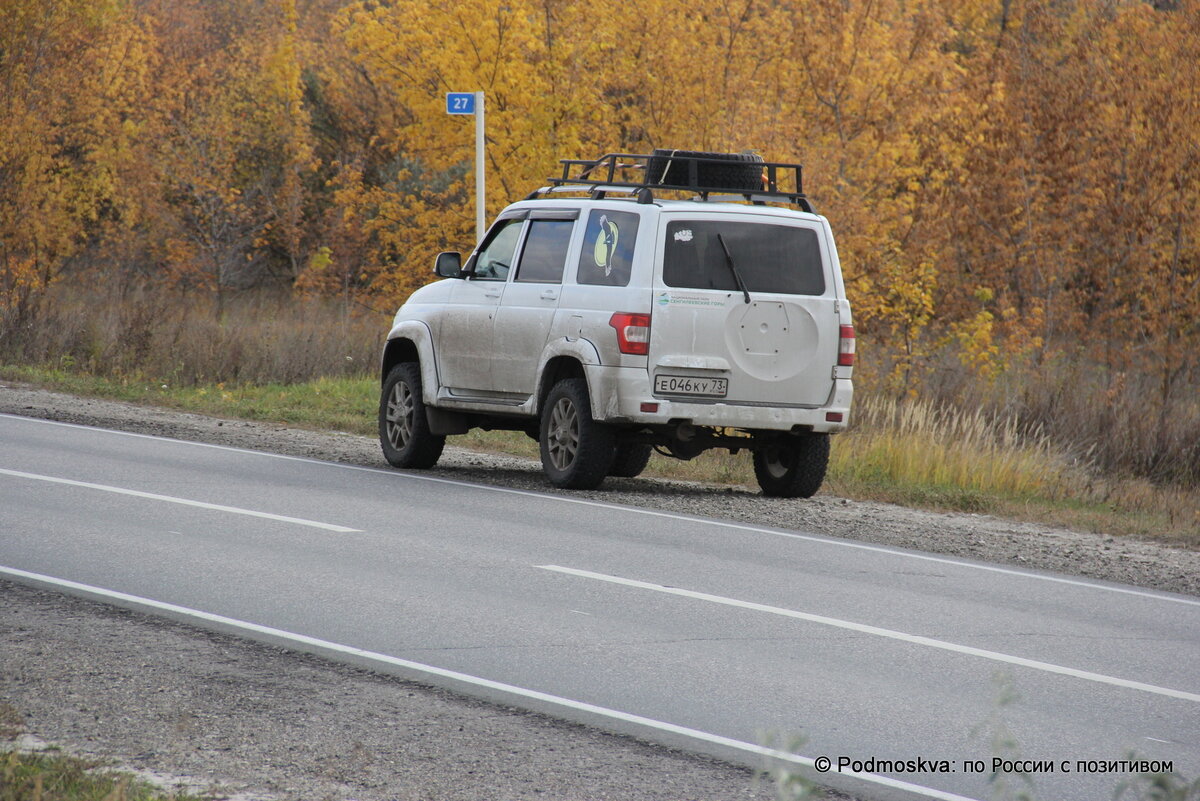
[822, 764]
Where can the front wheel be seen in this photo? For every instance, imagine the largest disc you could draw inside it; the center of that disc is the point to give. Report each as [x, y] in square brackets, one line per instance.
[793, 466]
[403, 428]
[576, 450]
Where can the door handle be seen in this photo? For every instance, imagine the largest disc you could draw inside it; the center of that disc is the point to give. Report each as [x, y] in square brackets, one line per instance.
[549, 294]
[491, 293]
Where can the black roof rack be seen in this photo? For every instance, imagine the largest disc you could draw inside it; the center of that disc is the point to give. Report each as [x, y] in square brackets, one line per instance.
[709, 176]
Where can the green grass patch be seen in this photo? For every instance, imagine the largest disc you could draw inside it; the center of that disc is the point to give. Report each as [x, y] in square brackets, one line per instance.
[340, 404]
[51, 776]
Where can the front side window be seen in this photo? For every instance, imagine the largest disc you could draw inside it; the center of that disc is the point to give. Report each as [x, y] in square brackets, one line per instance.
[545, 253]
[770, 258]
[496, 258]
[608, 240]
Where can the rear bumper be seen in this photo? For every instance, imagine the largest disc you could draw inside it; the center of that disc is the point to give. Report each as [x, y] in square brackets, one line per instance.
[617, 395]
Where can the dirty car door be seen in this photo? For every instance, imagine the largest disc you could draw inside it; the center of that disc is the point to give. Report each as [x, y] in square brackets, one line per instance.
[465, 342]
[530, 301]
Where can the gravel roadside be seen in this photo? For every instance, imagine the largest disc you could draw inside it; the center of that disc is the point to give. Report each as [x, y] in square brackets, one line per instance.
[265, 723]
[245, 721]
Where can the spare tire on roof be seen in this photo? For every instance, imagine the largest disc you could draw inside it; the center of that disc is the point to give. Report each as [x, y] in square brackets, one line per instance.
[731, 171]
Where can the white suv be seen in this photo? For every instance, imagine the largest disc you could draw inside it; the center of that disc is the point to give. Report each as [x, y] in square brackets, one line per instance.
[605, 320]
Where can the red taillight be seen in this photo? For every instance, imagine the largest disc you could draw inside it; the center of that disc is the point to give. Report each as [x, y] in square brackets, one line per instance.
[633, 332]
[846, 346]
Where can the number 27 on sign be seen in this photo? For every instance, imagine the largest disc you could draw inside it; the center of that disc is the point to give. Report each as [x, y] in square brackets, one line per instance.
[460, 102]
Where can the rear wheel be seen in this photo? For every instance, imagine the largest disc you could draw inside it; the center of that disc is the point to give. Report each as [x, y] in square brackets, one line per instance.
[630, 460]
[793, 466]
[576, 450]
[403, 428]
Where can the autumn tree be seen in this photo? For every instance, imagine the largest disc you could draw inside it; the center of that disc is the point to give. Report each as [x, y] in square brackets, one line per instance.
[538, 64]
[236, 150]
[72, 85]
[870, 97]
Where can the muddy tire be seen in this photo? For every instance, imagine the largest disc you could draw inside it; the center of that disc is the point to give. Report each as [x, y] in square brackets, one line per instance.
[576, 450]
[630, 460]
[792, 467]
[403, 428]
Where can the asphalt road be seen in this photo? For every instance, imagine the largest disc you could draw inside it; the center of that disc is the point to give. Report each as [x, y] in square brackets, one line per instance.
[724, 638]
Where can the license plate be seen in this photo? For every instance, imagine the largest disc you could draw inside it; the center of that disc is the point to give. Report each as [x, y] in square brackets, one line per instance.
[690, 385]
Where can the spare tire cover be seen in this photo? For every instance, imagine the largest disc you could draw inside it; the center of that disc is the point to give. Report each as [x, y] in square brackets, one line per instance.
[735, 171]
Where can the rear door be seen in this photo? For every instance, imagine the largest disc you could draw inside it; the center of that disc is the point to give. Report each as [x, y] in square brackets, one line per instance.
[775, 343]
[527, 310]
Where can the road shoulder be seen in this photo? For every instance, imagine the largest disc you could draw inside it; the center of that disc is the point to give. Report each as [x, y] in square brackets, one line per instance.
[247, 721]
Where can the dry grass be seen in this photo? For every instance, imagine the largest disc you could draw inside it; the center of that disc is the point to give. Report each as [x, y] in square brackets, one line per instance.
[1122, 423]
[977, 461]
[177, 339]
[921, 443]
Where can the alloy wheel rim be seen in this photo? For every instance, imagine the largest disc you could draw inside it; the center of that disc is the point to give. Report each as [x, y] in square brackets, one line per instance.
[400, 411]
[563, 434]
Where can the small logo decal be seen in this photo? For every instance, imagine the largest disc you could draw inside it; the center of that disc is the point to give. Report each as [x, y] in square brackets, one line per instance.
[684, 235]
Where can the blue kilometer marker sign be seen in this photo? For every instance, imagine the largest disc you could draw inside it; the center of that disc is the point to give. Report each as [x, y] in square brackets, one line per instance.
[473, 104]
[460, 102]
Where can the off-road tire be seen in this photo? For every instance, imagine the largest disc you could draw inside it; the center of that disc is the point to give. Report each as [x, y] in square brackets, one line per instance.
[630, 460]
[793, 466]
[403, 428]
[576, 450]
[743, 171]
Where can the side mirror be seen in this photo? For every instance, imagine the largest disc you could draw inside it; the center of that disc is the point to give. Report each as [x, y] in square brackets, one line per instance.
[448, 264]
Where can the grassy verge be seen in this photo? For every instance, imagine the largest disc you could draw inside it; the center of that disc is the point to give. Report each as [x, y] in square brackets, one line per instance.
[51, 776]
[914, 455]
[339, 404]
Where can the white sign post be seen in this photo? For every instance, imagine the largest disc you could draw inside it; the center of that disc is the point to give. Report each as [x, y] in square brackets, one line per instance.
[472, 103]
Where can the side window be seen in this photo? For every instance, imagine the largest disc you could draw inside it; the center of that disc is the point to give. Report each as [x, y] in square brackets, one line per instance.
[545, 253]
[607, 257]
[496, 258]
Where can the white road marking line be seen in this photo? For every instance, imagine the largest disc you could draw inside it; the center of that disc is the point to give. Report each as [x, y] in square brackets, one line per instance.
[334, 650]
[863, 628]
[651, 513]
[182, 501]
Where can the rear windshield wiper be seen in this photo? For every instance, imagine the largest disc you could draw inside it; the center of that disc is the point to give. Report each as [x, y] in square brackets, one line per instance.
[737, 277]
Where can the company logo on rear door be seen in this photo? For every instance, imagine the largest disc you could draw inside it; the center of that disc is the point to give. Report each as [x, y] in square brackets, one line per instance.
[676, 299]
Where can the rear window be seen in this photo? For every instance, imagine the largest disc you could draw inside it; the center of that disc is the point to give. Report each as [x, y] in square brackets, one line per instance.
[770, 258]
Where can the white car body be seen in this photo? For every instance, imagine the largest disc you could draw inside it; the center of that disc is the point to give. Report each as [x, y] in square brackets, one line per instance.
[736, 366]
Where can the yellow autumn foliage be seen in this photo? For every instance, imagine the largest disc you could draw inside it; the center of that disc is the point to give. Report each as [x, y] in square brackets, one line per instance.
[1047, 151]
